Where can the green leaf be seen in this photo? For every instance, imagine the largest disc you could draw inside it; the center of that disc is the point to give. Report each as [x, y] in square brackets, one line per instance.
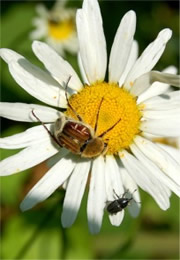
[24, 240]
[79, 242]
[16, 24]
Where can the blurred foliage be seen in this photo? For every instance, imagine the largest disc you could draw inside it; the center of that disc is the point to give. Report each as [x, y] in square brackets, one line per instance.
[38, 234]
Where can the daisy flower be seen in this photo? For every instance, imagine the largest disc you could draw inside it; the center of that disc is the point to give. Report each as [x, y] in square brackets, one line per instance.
[119, 113]
[56, 27]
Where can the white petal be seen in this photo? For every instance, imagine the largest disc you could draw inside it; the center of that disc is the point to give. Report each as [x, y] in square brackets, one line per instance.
[173, 142]
[162, 114]
[131, 60]
[174, 152]
[30, 137]
[178, 142]
[143, 82]
[113, 183]
[57, 157]
[58, 47]
[162, 127]
[56, 65]
[27, 158]
[41, 10]
[83, 74]
[122, 46]
[49, 183]
[131, 186]
[143, 177]
[92, 41]
[134, 206]
[155, 171]
[38, 83]
[64, 185]
[117, 218]
[160, 157]
[74, 192]
[166, 101]
[23, 112]
[35, 81]
[157, 88]
[9, 55]
[97, 196]
[39, 22]
[40, 32]
[149, 57]
[61, 5]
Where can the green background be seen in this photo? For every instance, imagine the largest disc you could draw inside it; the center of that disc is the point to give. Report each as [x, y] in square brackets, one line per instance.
[37, 234]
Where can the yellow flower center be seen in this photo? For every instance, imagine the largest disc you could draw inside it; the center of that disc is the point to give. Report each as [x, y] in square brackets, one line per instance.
[115, 106]
[61, 30]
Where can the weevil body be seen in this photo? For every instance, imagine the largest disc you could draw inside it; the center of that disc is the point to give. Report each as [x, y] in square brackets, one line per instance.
[117, 205]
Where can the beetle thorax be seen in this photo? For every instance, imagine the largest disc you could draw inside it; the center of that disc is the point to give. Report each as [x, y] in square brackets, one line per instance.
[93, 148]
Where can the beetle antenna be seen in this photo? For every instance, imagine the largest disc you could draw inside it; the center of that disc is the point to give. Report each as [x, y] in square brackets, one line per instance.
[69, 105]
[49, 132]
[109, 129]
[97, 116]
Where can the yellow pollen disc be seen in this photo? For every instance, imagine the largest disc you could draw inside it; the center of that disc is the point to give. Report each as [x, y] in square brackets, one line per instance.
[61, 30]
[118, 108]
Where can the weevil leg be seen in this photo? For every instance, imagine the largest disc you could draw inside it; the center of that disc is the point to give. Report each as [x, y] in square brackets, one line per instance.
[125, 193]
[116, 194]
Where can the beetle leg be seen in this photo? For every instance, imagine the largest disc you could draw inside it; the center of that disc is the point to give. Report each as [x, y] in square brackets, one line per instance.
[116, 194]
[105, 149]
[49, 132]
[125, 193]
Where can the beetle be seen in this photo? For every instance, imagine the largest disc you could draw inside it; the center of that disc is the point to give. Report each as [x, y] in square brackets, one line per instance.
[77, 136]
[120, 203]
